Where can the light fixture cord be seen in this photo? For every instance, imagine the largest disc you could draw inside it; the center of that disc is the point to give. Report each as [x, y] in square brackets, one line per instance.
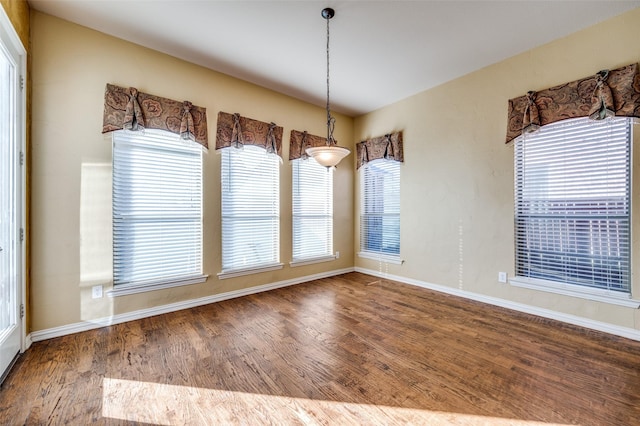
[330, 120]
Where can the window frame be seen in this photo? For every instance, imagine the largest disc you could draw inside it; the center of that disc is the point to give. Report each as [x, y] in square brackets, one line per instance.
[304, 174]
[575, 289]
[124, 140]
[366, 251]
[17, 339]
[227, 216]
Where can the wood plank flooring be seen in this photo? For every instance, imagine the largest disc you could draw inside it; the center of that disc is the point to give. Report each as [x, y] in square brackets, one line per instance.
[351, 349]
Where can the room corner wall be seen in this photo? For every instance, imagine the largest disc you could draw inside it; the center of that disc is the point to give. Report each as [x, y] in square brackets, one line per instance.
[71, 194]
[457, 195]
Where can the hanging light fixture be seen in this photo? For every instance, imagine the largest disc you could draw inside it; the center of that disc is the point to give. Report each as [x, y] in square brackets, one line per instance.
[330, 154]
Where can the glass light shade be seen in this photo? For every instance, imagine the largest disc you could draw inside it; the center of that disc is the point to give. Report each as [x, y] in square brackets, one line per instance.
[328, 156]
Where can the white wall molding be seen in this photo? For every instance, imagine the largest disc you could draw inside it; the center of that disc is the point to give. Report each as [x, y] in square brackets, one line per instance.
[27, 342]
[64, 330]
[629, 333]
[51, 333]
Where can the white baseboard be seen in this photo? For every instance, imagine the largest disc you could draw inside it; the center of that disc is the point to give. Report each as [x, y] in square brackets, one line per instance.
[629, 333]
[27, 342]
[64, 330]
[51, 333]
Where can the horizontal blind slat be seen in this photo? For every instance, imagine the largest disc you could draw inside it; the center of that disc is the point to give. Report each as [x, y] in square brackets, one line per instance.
[380, 207]
[157, 207]
[250, 208]
[312, 209]
[572, 212]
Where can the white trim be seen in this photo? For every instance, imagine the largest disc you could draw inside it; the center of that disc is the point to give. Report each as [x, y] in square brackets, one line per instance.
[310, 261]
[23, 195]
[27, 342]
[8, 30]
[232, 273]
[64, 330]
[629, 333]
[597, 295]
[11, 34]
[125, 289]
[381, 257]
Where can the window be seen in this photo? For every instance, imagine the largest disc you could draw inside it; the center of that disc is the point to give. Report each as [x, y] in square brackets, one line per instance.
[312, 211]
[250, 210]
[572, 209]
[380, 209]
[12, 195]
[157, 209]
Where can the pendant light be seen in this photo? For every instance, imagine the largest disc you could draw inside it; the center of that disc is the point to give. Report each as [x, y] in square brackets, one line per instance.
[330, 154]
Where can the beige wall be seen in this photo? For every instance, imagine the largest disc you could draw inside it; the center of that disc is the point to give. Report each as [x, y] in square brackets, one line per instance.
[457, 180]
[71, 194]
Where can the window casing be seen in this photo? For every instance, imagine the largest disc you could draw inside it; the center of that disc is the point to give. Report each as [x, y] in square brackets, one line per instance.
[157, 209]
[250, 209]
[573, 205]
[12, 194]
[380, 208]
[312, 204]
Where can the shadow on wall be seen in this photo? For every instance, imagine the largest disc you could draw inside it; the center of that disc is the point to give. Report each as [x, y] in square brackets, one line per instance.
[96, 242]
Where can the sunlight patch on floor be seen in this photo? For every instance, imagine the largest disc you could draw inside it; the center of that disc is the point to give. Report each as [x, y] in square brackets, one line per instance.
[178, 405]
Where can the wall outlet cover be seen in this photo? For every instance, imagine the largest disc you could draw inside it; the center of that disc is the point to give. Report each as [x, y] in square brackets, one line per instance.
[96, 291]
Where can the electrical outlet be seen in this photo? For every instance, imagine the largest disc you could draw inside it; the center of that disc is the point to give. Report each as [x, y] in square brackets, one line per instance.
[502, 277]
[337, 255]
[96, 291]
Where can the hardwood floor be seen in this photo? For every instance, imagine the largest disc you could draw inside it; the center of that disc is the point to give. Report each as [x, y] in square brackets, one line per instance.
[351, 349]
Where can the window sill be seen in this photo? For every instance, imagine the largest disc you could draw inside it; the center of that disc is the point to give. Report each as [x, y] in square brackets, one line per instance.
[232, 273]
[311, 260]
[126, 289]
[576, 291]
[381, 257]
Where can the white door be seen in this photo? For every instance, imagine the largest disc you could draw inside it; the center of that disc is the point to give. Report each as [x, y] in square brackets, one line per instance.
[10, 196]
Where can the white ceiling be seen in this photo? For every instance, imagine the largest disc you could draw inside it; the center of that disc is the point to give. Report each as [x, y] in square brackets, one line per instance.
[381, 51]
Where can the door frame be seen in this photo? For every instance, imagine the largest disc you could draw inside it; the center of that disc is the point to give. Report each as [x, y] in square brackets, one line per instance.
[11, 38]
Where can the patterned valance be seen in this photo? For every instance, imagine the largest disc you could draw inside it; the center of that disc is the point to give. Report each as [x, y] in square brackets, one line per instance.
[388, 146]
[235, 130]
[132, 110]
[299, 141]
[608, 93]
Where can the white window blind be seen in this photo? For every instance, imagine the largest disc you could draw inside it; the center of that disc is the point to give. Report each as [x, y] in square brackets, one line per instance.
[312, 210]
[250, 208]
[157, 207]
[380, 207]
[572, 210]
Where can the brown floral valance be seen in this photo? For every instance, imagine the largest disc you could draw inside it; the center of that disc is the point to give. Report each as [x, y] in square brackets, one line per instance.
[608, 93]
[388, 146]
[130, 109]
[299, 141]
[235, 130]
